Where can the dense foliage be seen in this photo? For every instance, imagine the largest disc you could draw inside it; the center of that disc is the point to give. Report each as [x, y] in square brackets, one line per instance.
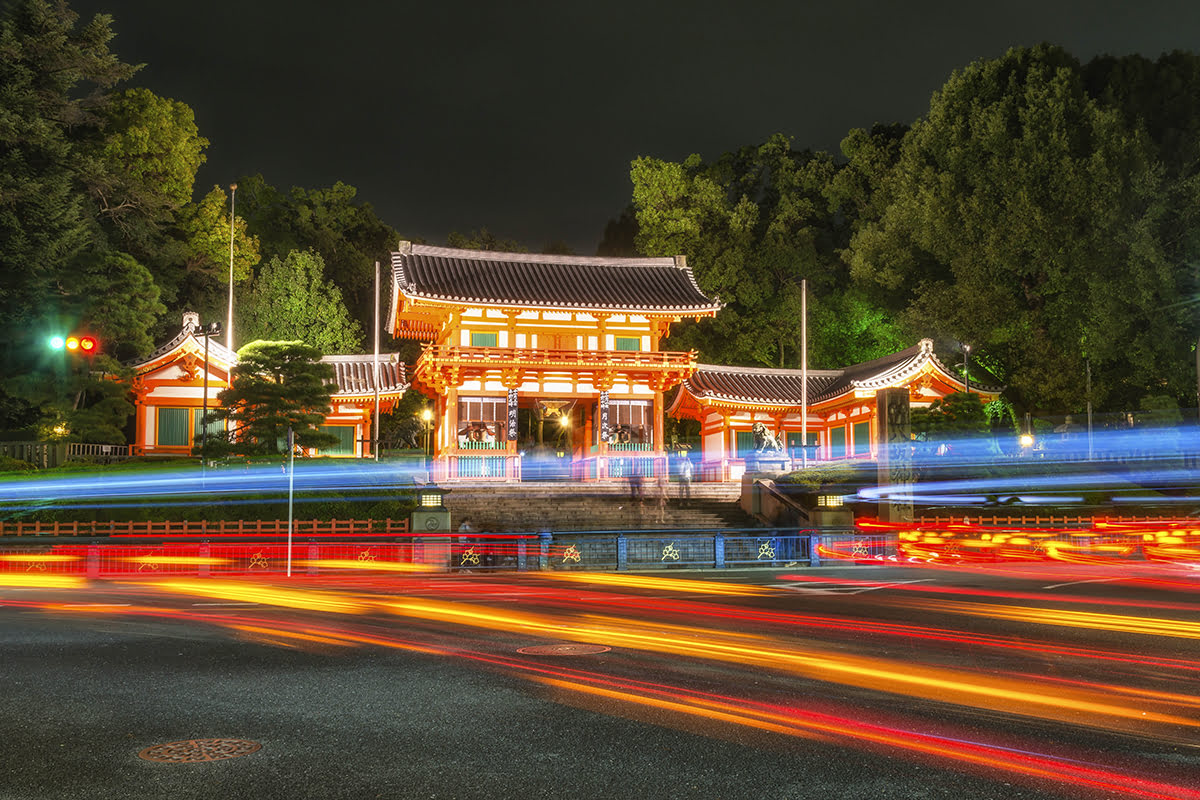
[1043, 211]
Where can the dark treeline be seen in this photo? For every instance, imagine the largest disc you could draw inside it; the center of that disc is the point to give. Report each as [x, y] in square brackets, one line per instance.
[1044, 211]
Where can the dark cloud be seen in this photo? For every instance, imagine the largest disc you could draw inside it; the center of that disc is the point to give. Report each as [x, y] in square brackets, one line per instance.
[523, 117]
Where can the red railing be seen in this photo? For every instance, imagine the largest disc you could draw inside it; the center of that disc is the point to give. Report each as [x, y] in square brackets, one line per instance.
[215, 528]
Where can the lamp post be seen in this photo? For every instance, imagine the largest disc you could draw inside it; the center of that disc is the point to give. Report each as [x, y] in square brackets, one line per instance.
[229, 318]
[213, 329]
[967, 367]
[426, 418]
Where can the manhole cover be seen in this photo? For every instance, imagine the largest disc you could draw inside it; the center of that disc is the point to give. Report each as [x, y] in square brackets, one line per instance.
[564, 649]
[193, 750]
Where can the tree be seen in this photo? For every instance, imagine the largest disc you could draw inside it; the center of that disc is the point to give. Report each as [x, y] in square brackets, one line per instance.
[753, 225]
[483, 239]
[204, 252]
[1023, 217]
[291, 297]
[274, 385]
[207, 231]
[55, 77]
[118, 302]
[346, 233]
[141, 176]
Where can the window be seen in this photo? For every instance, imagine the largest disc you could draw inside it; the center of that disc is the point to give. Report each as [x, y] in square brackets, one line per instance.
[483, 339]
[482, 420]
[345, 445]
[794, 447]
[837, 442]
[215, 428]
[630, 343]
[173, 424]
[629, 422]
[862, 438]
[745, 443]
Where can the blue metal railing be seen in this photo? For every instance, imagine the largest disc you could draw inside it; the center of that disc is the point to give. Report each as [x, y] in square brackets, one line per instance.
[686, 549]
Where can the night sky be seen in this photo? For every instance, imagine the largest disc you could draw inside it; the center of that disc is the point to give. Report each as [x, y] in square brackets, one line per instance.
[523, 117]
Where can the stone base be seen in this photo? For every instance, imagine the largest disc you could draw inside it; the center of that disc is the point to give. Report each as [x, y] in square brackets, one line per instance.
[772, 464]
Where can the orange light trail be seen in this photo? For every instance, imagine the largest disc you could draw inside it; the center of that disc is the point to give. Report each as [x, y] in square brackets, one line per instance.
[40, 581]
[664, 584]
[929, 683]
[256, 593]
[1026, 765]
[1066, 618]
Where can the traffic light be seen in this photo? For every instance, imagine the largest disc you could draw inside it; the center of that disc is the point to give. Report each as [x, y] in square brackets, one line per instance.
[83, 344]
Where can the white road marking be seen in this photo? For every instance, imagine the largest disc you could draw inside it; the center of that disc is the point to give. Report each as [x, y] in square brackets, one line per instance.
[822, 587]
[1092, 580]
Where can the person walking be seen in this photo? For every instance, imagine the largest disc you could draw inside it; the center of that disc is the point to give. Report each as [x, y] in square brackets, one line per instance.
[685, 482]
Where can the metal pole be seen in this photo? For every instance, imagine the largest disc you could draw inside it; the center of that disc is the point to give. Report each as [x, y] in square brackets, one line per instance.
[204, 416]
[967, 367]
[291, 492]
[1088, 362]
[375, 426]
[229, 317]
[804, 373]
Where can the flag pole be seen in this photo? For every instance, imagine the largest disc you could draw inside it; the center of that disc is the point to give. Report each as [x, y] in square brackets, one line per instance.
[375, 426]
[804, 373]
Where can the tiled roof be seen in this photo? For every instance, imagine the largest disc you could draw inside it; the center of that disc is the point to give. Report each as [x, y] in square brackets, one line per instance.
[355, 375]
[524, 279]
[783, 386]
[768, 386]
[216, 351]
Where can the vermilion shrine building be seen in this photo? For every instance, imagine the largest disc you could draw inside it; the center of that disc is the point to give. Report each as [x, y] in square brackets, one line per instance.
[535, 361]
[170, 388]
[543, 358]
[841, 411]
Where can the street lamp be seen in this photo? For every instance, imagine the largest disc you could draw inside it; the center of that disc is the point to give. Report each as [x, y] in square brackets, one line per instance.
[229, 319]
[967, 367]
[426, 418]
[213, 329]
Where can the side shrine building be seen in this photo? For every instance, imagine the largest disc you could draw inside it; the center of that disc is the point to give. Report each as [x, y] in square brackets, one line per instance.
[731, 403]
[173, 386]
[541, 363]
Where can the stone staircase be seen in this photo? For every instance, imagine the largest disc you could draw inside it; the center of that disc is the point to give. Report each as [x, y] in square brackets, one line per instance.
[560, 506]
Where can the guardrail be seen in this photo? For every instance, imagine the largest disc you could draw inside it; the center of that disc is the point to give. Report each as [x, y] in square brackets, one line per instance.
[607, 551]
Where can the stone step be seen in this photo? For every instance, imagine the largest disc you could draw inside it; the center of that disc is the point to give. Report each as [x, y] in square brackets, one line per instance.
[589, 507]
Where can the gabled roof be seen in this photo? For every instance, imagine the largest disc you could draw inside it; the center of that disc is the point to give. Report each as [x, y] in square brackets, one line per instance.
[490, 278]
[355, 375]
[782, 387]
[187, 339]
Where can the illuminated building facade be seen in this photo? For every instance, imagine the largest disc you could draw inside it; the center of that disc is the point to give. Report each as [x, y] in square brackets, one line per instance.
[544, 359]
[842, 419]
[169, 389]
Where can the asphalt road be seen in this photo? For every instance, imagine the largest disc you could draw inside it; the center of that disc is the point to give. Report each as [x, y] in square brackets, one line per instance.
[1036, 681]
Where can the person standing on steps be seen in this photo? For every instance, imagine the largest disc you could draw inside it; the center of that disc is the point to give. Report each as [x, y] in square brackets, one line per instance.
[685, 482]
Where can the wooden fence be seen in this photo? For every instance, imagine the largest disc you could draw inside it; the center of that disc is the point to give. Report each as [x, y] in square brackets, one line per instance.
[265, 527]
